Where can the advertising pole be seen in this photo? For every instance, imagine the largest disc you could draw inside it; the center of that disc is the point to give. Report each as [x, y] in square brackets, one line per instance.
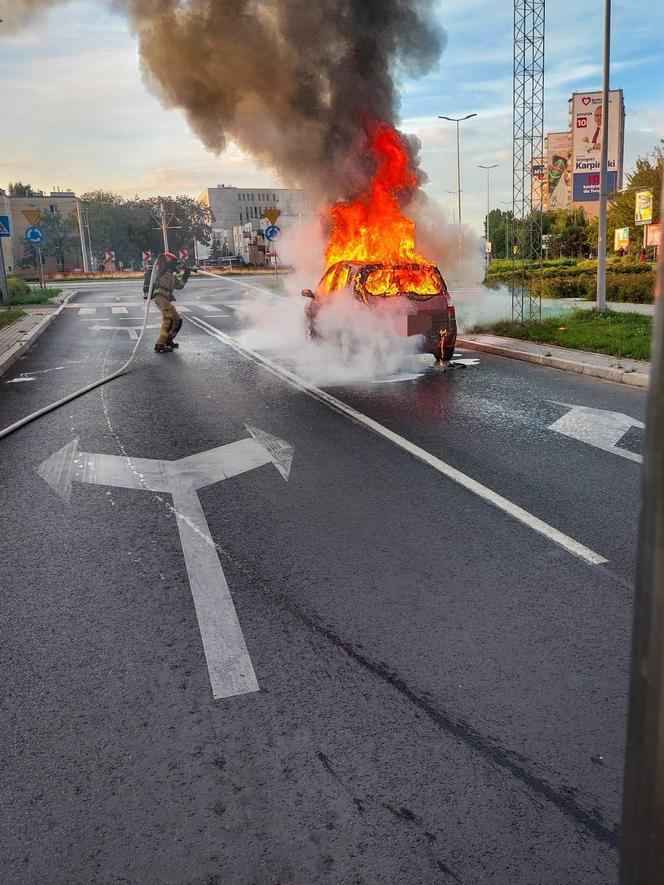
[603, 172]
[642, 851]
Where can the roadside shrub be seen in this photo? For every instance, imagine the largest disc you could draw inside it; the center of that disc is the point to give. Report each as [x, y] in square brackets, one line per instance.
[17, 287]
[633, 288]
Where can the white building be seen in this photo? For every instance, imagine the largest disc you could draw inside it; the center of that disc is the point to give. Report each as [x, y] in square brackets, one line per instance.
[242, 209]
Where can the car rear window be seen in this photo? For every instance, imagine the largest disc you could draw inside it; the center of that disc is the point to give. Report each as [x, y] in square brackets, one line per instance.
[416, 280]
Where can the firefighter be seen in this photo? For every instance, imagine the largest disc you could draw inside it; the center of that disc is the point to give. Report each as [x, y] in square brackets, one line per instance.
[165, 282]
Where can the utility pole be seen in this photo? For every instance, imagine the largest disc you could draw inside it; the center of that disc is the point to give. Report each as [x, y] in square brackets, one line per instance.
[642, 850]
[84, 253]
[604, 154]
[164, 226]
[488, 209]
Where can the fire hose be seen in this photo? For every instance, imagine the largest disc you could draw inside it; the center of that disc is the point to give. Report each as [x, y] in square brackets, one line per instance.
[67, 399]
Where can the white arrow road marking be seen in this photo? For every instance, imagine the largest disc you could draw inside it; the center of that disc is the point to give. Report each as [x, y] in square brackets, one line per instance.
[229, 665]
[597, 427]
[29, 376]
[506, 506]
[132, 331]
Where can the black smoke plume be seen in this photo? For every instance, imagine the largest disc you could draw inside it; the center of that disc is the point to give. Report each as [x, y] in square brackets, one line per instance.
[293, 82]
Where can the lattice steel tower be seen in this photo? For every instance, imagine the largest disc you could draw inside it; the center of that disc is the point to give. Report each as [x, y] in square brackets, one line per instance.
[528, 148]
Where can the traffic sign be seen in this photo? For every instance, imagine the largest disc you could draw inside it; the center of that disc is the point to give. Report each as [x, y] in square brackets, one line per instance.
[147, 254]
[272, 215]
[5, 227]
[109, 255]
[183, 254]
[272, 232]
[34, 236]
[32, 216]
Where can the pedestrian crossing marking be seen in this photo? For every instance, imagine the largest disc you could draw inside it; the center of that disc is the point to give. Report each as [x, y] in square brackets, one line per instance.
[87, 311]
[119, 310]
[181, 309]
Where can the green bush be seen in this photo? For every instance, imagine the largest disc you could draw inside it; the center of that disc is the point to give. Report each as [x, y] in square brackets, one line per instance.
[17, 287]
[634, 288]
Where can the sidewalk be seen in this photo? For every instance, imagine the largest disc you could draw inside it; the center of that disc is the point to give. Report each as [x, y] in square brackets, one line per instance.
[19, 336]
[582, 304]
[598, 365]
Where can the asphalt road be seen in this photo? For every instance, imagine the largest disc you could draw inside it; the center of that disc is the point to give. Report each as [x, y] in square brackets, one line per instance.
[442, 684]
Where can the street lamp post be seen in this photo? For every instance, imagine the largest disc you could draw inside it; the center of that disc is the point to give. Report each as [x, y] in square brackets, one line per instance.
[452, 202]
[510, 205]
[603, 173]
[458, 120]
[488, 209]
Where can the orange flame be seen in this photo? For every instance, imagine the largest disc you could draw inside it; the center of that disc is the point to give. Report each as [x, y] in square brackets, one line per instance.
[373, 228]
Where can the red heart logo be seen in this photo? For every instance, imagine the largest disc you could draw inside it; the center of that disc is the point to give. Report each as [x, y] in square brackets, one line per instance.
[585, 99]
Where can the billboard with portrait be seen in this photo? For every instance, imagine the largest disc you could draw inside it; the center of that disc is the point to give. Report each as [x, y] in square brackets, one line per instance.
[559, 169]
[587, 113]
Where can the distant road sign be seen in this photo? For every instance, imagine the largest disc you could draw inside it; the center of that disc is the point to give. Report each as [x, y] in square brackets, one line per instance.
[109, 255]
[147, 255]
[32, 216]
[183, 254]
[272, 215]
[34, 236]
[5, 227]
[272, 232]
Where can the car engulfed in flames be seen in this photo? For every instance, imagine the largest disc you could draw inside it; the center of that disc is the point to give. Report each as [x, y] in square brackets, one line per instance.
[426, 308]
[372, 256]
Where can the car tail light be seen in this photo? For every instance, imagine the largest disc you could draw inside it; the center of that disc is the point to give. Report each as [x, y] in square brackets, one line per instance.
[451, 310]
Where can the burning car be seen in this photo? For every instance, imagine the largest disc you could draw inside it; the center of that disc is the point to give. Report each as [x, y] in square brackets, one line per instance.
[428, 312]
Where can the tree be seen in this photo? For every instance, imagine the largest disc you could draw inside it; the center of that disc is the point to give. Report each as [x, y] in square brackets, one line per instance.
[61, 238]
[500, 231]
[18, 189]
[647, 173]
[129, 226]
[189, 219]
[569, 232]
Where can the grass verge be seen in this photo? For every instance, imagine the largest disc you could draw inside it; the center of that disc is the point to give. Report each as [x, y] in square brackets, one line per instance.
[36, 296]
[10, 315]
[616, 334]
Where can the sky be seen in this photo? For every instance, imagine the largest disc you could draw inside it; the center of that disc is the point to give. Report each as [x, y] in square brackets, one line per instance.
[76, 114]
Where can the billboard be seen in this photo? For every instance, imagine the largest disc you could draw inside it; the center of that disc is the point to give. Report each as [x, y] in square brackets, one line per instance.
[559, 169]
[538, 192]
[621, 239]
[587, 144]
[643, 206]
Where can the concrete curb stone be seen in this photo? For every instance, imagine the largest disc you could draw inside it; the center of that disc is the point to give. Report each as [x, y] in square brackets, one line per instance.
[634, 379]
[8, 359]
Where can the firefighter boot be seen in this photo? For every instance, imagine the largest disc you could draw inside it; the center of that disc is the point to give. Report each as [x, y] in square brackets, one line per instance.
[162, 348]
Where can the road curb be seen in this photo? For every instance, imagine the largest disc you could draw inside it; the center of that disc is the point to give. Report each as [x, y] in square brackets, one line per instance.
[620, 376]
[24, 344]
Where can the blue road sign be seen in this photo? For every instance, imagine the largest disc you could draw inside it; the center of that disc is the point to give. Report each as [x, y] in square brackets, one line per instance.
[34, 236]
[5, 228]
[272, 232]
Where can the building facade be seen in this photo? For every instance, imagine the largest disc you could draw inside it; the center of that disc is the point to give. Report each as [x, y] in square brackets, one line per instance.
[239, 222]
[22, 214]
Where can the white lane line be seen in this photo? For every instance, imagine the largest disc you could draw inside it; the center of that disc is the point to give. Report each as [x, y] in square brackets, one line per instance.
[229, 665]
[87, 311]
[119, 310]
[182, 309]
[212, 309]
[528, 519]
